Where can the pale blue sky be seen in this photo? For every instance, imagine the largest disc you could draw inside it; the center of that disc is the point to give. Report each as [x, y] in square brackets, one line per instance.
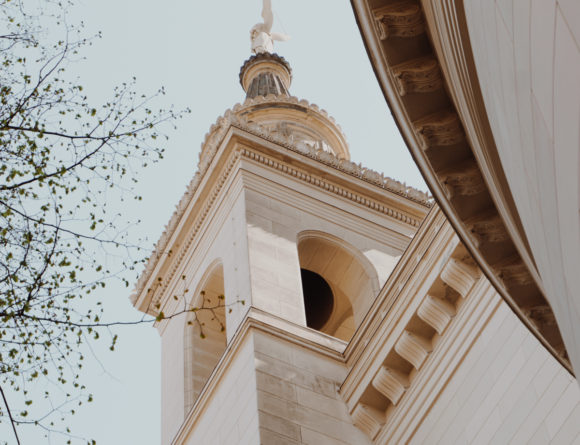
[195, 49]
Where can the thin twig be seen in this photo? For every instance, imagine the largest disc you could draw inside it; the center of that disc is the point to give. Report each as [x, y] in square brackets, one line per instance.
[10, 415]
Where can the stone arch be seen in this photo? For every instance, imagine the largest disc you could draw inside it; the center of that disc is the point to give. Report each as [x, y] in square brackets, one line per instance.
[204, 334]
[351, 276]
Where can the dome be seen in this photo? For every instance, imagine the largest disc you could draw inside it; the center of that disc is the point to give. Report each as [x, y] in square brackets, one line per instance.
[266, 80]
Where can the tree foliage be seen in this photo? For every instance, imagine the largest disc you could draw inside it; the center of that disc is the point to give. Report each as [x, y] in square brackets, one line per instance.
[61, 156]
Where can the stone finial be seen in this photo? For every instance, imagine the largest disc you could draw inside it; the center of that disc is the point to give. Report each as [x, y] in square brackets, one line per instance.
[261, 34]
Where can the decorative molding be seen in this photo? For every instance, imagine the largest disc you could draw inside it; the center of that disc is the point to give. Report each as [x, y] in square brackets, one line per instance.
[427, 241]
[368, 419]
[332, 188]
[184, 247]
[413, 348]
[436, 312]
[459, 276]
[420, 75]
[439, 129]
[403, 19]
[390, 383]
[381, 377]
[456, 130]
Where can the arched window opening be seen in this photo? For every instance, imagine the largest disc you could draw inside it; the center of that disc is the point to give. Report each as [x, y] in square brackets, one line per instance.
[338, 306]
[205, 335]
[318, 299]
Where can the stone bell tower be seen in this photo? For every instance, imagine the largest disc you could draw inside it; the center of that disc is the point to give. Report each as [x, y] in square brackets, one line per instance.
[298, 240]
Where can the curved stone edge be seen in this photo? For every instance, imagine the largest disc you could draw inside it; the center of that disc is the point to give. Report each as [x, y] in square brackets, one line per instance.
[446, 126]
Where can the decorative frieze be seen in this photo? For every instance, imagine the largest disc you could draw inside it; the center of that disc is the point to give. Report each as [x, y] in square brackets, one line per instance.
[439, 129]
[390, 383]
[459, 276]
[420, 75]
[340, 191]
[413, 348]
[436, 312]
[403, 19]
[368, 419]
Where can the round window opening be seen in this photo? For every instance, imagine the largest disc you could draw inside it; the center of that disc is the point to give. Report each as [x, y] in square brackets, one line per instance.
[318, 299]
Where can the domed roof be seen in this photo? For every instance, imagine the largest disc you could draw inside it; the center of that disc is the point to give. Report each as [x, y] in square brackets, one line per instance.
[266, 79]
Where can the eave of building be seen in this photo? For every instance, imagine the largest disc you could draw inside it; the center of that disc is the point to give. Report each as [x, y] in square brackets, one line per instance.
[421, 56]
[235, 140]
[427, 316]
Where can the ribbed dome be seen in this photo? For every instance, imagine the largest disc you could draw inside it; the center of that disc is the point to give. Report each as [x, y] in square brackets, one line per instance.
[264, 74]
[266, 79]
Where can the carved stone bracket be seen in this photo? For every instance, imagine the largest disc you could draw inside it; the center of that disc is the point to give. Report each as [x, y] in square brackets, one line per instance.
[542, 315]
[459, 276]
[403, 19]
[439, 129]
[465, 179]
[488, 230]
[368, 419]
[436, 312]
[391, 384]
[514, 273]
[420, 75]
[413, 348]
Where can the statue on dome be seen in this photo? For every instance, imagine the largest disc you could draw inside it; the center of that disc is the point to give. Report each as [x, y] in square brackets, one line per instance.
[261, 36]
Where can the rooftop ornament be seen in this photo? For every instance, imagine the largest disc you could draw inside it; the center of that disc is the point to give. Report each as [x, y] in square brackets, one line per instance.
[261, 36]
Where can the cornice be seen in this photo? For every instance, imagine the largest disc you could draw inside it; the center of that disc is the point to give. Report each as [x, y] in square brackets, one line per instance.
[449, 137]
[381, 388]
[400, 300]
[232, 117]
[330, 187]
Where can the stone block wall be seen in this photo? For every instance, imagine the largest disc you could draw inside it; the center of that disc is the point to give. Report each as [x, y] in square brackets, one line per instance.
[298, 401]
[508, 389]
[230, 415]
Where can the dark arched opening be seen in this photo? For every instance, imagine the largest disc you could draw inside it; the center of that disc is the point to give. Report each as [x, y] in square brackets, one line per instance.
[318, 299]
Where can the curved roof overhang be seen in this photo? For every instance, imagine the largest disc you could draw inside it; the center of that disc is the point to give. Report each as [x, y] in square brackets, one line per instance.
[421, 55]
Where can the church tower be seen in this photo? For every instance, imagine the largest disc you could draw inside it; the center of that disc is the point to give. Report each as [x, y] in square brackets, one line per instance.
[272, 260]
[304, 299]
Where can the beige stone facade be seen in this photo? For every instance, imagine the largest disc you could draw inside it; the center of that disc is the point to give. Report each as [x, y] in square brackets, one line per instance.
[414, 346]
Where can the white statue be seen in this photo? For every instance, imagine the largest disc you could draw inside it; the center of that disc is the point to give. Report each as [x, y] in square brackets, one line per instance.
[261, 36]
